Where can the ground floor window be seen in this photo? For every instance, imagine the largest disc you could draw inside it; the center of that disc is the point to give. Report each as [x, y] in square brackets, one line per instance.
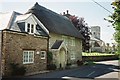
[43, 54]
[72, 55]
[28, 57]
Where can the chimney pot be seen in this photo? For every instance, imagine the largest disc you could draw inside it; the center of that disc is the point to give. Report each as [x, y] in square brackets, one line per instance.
[63, 13]
[67, 11]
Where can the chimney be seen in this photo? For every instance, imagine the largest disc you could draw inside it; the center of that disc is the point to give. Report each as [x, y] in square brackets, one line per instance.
[63, 13]
[67, 12]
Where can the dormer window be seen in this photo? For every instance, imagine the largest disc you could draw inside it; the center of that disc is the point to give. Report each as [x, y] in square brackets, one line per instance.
[30, 28]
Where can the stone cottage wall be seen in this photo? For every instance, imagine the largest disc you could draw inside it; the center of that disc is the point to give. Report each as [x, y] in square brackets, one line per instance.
[77, 49]
[13, 46]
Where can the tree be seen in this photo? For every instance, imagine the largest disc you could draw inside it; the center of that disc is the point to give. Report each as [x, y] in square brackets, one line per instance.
[83, 28]
[115, 20]
[107, 47]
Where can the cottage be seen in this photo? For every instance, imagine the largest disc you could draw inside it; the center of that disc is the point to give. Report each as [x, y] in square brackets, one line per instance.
[65, 41]
[24, 40]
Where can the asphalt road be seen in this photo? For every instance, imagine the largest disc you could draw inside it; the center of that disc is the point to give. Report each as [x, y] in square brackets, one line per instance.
[103, 69]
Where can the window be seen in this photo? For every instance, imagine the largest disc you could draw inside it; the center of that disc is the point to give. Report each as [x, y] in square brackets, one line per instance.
[72, 41]
[30, 28]
[72, 56]
[28, 57]
[65, 39]
[43, 54]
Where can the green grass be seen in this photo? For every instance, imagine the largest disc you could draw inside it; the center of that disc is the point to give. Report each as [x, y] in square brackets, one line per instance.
[89, 63]
[96, 54]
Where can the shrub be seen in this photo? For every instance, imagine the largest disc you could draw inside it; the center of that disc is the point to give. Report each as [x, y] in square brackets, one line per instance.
[79, 63]
[49, 57]
[89, 63]
[17, 70]
[51, 67]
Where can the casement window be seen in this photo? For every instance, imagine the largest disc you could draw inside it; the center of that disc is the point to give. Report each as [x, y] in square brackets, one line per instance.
[72, 41]
[72, 55]
[43, 54]
[65, 39]
[28, 57]
[30, 28]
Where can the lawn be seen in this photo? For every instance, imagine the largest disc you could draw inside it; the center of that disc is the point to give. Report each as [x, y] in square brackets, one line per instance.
[96, 54]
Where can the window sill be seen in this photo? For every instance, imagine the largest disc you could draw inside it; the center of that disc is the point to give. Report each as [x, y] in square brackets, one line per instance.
[29, 63]
[42, 58]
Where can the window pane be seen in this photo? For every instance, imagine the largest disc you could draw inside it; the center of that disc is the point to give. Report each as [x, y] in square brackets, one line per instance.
[25, 56]
[28, 27]
[31, 53]
[43, 53]
[32, 28]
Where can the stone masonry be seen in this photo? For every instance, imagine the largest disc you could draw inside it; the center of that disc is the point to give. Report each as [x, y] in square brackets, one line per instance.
[13, 45]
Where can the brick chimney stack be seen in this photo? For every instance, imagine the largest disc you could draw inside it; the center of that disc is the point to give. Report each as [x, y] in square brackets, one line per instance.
[67, 11]
[63, 13]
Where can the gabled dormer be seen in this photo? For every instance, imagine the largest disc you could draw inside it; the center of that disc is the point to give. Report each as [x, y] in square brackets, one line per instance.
[30, 24]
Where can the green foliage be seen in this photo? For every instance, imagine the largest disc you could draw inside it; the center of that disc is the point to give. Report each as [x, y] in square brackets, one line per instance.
[115, 20]
[96, 54]
[89, 63]
[51, 67]
[49, 57]
[17, 70]
[79, 63]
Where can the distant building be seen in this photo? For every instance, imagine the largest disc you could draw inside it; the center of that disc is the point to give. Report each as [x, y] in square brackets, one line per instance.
[95, 30]
[97, 45]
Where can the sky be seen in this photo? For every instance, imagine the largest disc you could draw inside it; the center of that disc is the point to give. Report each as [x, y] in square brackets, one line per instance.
[93, 14]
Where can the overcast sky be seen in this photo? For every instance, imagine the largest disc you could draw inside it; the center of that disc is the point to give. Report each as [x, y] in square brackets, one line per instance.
[94, 14]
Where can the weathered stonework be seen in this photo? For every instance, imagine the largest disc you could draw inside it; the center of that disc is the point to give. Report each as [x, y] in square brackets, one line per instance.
[76, 49]
[14, 43]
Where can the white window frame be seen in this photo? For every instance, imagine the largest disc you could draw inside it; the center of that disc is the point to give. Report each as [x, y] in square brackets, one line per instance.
[43, 55]
[30, 28]
[28, 59]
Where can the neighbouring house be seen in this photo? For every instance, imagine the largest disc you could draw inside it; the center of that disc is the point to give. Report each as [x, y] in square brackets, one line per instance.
[23, 40]
[65, 41]
[97, 45]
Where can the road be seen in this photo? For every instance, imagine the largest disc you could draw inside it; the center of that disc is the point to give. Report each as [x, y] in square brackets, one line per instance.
[103, 69]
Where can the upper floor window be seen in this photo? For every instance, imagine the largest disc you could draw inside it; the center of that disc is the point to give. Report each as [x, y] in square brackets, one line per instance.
[30, 28]
[72, 41]
[65, 39]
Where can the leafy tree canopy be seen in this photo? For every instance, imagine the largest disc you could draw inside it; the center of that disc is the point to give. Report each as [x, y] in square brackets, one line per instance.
[115, 20]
